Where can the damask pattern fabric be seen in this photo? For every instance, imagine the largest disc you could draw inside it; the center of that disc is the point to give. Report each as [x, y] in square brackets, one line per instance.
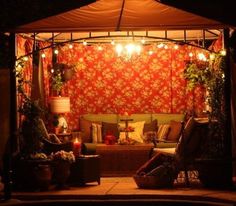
[106, 83]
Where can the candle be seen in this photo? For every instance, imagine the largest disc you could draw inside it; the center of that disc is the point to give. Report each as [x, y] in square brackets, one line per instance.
[76, 147]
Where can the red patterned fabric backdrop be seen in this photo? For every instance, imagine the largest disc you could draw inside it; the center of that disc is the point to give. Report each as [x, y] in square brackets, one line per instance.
[105, 83]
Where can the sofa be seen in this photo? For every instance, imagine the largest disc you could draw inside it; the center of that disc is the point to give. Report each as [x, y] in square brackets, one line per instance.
[122, 158]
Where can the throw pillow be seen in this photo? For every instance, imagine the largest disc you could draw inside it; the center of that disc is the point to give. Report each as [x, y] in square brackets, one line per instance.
[86, 129]
[136, 135]
[151, 127]
[163, 131]
[188, 129]
[175, 131]
[96, 133]
[110, 129]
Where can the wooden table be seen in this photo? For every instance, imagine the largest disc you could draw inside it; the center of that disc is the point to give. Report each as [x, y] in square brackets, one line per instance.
[85, 169]
[65, 137]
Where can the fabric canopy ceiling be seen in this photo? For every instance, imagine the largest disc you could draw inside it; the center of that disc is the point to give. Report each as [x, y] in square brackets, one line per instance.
[121, 15]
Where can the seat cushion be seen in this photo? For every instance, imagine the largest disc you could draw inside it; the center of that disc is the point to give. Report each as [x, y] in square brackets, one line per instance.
[175, 130]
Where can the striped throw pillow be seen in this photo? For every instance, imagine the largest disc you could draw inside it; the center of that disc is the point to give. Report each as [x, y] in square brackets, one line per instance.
[163, 131]
[96, 133]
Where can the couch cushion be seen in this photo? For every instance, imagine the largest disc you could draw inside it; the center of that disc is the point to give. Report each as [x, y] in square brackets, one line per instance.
[96, 132]
[175, 130]
[184, 139]
[136, 134]
[112, 118]
[86, 129]
[151, 127]
[110, 128]
[137, 117]
[166, 118]
[163, 131]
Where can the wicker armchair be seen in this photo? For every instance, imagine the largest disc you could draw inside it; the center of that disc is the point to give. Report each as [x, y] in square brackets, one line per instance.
[51, 143]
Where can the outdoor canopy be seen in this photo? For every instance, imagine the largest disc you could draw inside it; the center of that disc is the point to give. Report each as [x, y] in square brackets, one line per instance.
[121, 15]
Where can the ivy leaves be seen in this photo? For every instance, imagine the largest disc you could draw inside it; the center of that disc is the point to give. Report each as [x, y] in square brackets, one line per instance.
[196, 74]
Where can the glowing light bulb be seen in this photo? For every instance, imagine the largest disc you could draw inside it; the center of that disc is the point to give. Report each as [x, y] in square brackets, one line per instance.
[70, 46]
[99, 48]
[176, 46]
[119, 49]
[161, 45]
[85, 43]
[166, 47]
[223, 52]
[25, 59]
[112, 42]
[43, 55]
[52, 70]
[143, 41]
[150, 52]
[190, 54]
[202, 57]
[130, 48]
[138, 49]
[212, 56]
[56, 51]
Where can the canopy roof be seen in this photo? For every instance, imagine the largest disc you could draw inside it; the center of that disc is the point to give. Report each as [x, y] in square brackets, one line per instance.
[121, 15]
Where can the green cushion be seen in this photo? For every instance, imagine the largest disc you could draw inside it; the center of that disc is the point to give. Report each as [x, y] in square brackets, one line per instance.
[137, 117]
[166, 118]
[111, 118]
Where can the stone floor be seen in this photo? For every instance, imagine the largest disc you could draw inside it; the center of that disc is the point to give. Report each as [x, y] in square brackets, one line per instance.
[125, 189]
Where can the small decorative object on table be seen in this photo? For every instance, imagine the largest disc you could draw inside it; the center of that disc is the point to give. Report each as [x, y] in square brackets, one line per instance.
[110, 139]
[62, 163]
[77, 147]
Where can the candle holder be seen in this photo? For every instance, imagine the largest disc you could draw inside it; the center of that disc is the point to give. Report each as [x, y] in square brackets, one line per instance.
[77, 147]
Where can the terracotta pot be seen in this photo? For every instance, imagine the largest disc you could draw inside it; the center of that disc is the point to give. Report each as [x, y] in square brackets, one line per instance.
[61, 173]
[43, 176]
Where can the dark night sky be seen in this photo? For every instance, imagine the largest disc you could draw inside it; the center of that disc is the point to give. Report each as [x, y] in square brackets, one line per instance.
[18, 12]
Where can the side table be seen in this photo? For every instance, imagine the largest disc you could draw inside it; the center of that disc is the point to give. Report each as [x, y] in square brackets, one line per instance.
[85, 169]
[65, 137]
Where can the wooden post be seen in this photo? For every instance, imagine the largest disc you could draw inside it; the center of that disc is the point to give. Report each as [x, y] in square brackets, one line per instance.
[11, 144]
[227, 90]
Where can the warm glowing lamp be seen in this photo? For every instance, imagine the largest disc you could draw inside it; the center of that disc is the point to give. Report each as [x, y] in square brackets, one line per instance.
[60, 105]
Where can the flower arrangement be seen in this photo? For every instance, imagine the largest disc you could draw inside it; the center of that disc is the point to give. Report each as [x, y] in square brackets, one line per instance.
[63, 155]
[39, 156]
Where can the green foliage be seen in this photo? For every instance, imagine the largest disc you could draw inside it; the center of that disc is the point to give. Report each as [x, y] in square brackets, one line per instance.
[57, 83]
[196, 74]
[31, 110]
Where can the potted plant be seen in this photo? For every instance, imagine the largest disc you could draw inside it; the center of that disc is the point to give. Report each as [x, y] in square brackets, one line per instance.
[30, 111]
[62, 73]
[213, 167]
[62, 161]
[33, 172]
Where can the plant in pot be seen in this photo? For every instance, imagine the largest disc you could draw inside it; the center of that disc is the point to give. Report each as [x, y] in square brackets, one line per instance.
[62, 73]
[213, 166]
[62, 162]
[31, 112]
